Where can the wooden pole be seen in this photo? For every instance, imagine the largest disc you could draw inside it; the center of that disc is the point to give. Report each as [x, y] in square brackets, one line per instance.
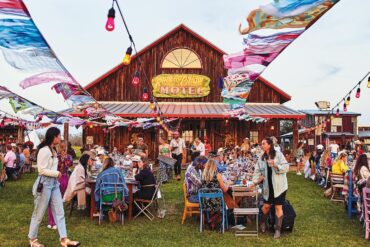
[295, 136]
[66, 131]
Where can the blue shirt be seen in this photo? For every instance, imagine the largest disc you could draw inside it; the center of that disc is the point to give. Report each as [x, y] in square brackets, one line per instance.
[110, 175]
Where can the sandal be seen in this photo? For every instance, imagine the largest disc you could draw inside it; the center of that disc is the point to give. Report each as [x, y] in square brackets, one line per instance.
[35, 243]
[70, 243]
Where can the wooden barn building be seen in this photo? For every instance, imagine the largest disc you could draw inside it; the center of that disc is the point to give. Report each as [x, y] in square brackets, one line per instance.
[183, 69]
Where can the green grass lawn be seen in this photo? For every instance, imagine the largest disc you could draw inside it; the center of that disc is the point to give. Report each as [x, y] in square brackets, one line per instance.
[319, 222]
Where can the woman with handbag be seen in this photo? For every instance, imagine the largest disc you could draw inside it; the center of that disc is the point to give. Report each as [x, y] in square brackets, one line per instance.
[46, 190]
[271, 170]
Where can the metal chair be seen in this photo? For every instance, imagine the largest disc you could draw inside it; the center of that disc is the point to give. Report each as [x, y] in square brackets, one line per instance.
[109, 188]
[351, 203]
[190, 208]
[206, 193]
[144, 205]
[366, 196]
[248, 193]
[337, 185]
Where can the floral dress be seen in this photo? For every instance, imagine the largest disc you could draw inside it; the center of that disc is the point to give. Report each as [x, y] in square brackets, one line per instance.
[211, 204]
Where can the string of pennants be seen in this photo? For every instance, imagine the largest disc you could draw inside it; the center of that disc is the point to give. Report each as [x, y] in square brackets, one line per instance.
[271, 29]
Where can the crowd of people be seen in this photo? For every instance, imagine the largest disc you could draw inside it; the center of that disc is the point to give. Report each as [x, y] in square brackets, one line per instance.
[345, 161]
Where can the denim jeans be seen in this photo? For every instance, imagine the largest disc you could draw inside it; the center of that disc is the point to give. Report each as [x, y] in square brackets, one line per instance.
[50, 195]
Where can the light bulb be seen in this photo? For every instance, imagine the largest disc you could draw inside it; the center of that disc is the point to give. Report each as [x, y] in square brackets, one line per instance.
[348, 100]
[152, 106]
[109, 26]
[337, 114]
[358, 93]
[345, 107]
[127, 58]
[368, 82]
[136, 79]
[145, 96]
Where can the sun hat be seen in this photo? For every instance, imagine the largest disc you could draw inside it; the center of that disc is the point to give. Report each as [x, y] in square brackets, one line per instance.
[136, 158]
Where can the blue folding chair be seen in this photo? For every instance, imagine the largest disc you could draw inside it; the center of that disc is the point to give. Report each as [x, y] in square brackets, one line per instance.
[206, 193]
[352, 200]
[106, 188]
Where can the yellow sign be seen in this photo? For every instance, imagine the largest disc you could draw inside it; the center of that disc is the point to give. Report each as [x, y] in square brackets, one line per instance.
[180, 86]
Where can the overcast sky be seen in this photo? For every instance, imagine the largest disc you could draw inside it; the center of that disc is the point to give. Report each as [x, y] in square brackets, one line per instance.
[322, 64]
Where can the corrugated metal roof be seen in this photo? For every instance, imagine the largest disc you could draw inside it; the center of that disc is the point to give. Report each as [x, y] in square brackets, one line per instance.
[319, 112]
[364, 134]
[199, 110]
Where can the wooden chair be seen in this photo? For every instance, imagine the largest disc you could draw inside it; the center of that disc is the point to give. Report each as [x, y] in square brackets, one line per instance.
[337, 185]
[190, 208]
[240, 192]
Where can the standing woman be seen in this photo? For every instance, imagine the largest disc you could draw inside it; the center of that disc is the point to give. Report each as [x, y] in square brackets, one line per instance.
[271, 169]
[65, 161]
[165, 169]
[46, 190]
[299, 157]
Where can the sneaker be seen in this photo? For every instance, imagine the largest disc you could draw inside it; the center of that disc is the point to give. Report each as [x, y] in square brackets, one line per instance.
[299, 173]
[54, 227]
[178, 178]
[49, 226]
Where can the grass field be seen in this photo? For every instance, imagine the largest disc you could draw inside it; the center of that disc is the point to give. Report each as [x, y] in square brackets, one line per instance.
[319, 222]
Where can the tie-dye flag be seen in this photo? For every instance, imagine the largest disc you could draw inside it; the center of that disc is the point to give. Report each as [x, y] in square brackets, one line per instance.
[24, 48]
[293, 16]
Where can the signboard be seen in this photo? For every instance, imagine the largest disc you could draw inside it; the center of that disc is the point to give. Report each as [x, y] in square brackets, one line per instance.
[89, 140]
[311, 142]
[180, 86]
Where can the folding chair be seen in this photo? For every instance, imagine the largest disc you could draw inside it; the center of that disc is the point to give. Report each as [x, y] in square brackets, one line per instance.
[352, 200]
[337, 185]
[144, 205]
[247, 193]
[366, 196]
[206, 193]
[190, 208]
[107, 189]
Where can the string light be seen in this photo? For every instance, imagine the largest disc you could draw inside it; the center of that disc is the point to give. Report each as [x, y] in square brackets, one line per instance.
[152, 105]
[348, 100]
[109, 26]
[127, 59]
[337, 113]
[358, 92]
[344, 107]
[368, 82]
[136, 79]
[145, 94]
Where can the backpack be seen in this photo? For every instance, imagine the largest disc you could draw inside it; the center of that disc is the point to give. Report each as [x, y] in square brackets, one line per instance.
[288, 218]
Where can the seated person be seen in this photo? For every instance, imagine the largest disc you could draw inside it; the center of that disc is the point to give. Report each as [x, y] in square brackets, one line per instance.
[109, 174]
[193, 179]
[147, 182]
[362, 168]
[340, 164]
[211, 179]
[77, 182]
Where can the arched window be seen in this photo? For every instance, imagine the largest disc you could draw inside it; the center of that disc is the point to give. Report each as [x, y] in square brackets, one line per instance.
[181, 58]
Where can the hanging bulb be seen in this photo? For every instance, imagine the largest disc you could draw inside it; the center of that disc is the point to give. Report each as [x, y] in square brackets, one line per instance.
[145, 94]
[136, 79]
[127, 59]
[345, 107]
[109, 26]
[152, 105]
[337, 114]
[348, 100]
[358, 92]
[368, 82]
[158, 118]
